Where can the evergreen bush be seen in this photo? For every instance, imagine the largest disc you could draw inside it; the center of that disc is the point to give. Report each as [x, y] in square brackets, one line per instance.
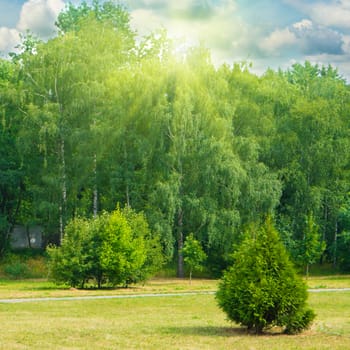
[261, 289]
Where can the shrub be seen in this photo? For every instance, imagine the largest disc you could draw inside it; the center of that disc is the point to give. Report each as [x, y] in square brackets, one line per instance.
[37, 267]
[114, 249]
[16, 270]
[193, 253]
[71, 262]
[24, 264]
[262, 289]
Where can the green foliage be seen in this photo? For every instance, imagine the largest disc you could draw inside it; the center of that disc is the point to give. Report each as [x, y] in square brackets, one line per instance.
[113, 249]
[122, 253]
[15, 268]
[344, 251]
[24, 264]
[343, 242]
[261, 289]
[72, 18]
[311, 247]
[193, 253]
[71, 263]
[11, 173]
[92, 117]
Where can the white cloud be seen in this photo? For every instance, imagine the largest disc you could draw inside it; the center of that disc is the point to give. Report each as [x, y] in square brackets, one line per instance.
[304, 24]
[146, 21]
[277, 40]
[306, 38]
[9, 38]
[36, 15]
[216, 24]
[317, 39]
[39, 16]
[335, 13]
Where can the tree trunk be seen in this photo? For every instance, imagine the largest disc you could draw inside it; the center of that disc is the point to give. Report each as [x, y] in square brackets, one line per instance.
[335, 244]
[64, 191]
[180, 244]
[95, 199]
[127, 195]
[28, 236]
[127, 192]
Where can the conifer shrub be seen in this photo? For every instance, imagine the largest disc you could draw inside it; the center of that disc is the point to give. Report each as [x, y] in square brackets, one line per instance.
[261, 289]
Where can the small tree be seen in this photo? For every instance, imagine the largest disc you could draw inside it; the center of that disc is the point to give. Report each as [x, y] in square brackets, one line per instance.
[261, 289]
[311, 247]
[116, 248]
[193, 253]
[122, 253]
[71, 262]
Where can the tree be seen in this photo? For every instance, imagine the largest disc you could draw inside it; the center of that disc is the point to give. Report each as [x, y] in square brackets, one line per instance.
[343, 256]
[73, 18]
[261, 289]
[309, 148]
[311, 247]
[65, 85]
[11, 172]
[194, 256]
[112, 249]
[200, 174]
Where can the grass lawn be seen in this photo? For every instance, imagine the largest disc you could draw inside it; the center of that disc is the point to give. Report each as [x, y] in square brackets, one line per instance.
[334, 281]
[180, 322]
[43, 288]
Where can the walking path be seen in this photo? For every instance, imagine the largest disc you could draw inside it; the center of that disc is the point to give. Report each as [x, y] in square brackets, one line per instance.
[320, 290]
[96, 297]
[129, 296]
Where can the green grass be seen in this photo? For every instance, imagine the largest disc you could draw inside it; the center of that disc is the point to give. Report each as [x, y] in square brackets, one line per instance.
[43, 288]
[181, 322]
[34, 288]
[332, 281]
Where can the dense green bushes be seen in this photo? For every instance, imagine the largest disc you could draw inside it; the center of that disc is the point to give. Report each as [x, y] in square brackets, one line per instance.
[111, 249]
[261, 289]
[24, 264]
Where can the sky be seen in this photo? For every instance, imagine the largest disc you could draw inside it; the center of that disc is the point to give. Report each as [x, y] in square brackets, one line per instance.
[268, 33]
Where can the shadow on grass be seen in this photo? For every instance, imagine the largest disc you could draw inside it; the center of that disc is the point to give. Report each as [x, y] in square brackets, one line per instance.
[210, 331]
[41, 285]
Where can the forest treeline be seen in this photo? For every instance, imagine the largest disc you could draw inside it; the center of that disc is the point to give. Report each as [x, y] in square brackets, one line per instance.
[97, 117]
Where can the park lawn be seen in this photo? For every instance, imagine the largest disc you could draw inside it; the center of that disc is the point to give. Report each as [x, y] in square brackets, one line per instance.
[332, 281]
[11, 289]
[176, 322]
[43, 288]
